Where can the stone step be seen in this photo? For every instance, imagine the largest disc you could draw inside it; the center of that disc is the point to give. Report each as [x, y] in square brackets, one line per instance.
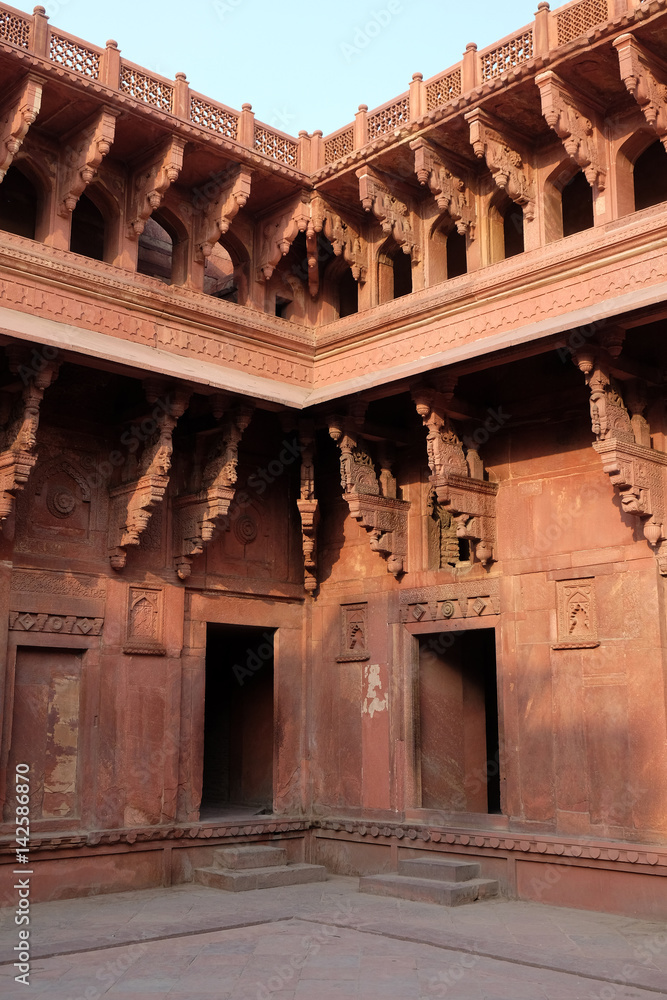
[443, 869]
[428, 890]
[250, 856]
[234, 880]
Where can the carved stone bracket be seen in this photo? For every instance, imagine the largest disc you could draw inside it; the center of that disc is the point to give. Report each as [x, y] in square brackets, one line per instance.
[449, 190]
[199, 516]
[132, 503]
[646, 79]
[382, 515]
[17, 114]
[221, 211]
[308, 505]
[346, 242]
[470, 501]
[151, 182]
[392, 213]
[19, 420]
[577, 124]
[279, 233]
[85, 151]
[491, 141]
[637, 471]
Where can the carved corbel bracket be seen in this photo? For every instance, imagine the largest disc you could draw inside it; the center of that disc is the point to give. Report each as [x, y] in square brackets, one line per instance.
[346, 242]
[449, 190]
[222, 210]
[384, 517]
[199, 516]
[19, 421]
[490, 140]
[637, 471]
[132, 503]
[279, 233]
[308, 505]
[151, 182]
[645, 77]
[576, 124]
[393, 214]
[84, 152]
[16, 116]
[470, 501]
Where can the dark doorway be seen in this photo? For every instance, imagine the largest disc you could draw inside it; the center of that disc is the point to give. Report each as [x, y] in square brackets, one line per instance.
[457, 254]
[18, 204]
[348, 294]
[577, 200]
[238, 725]
[650, 176]
[513, 230]
[458, 722]
[87, 234]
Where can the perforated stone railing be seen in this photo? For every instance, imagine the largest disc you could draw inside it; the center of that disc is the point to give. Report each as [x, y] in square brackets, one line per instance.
[443, 90]
[218, 119]
[69, 53]
[389, 117]
[14, 28]
[148, 89]
[276, 145]
[339, 145]
[517, 50]
[574, 21]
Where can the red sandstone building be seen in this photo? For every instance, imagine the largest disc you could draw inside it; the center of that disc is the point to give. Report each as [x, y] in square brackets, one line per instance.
[333, 468]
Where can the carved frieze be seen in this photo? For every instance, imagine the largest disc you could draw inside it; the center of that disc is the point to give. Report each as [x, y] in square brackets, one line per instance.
[468, 500]
[19, 420]
[577, 614]
[451, 601]
[31, 621]
[449, 190]
[144, 621]
[219, 214]
[199, 515]
[645, 77]
[353, 633]
[150, 183]
[371, 501]
[17, 114]
[308, 505]
[577, 124]
[85, 150]
[132, 502]
[393, 214]
[505, 159]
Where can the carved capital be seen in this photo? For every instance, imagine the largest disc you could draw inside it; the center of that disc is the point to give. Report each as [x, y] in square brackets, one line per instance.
[279, 232]
[222, 209]
[449, 190]
[17, 114]
[576, 124]
[19, 421]
[200, 515]
[645, 77]
[491, 141]
[392, 213]
[84, 152]
[151, 182]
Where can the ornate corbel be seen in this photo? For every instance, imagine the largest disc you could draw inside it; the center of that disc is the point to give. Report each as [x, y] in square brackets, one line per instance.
[151, 182]
[392, 213]
[636, 470]
[84, 152]
[17, 115]
[470, 501]
[133, 502]
[577, 124]
[645, 77]
[199, 516]
[279, 233]
[308, 505]
[491, 141]
[345, 241]
[19, 420]
[219, 214]
[383, 516]
[449, 190]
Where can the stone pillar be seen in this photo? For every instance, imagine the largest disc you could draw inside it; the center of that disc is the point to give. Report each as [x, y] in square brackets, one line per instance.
[181, 97]
[247, 126]
[361, 127]
[110, 69]
[469, 68]
[39, 34]
[417, 96]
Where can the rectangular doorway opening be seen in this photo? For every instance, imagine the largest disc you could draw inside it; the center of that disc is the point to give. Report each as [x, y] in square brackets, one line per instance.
[238, 721]
[458, 722]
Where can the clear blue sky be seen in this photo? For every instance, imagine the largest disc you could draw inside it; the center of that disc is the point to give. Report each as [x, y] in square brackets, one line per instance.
[302, 65]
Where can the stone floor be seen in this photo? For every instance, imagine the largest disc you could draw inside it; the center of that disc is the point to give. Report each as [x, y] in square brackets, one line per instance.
[326, 941]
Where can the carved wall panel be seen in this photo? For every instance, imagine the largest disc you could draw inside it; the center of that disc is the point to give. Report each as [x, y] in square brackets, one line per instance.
[577, 614]
[354, 633]
[144, 633]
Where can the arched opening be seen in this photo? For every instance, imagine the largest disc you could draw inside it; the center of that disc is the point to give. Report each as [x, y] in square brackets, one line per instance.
[505, 228]
[162, 251]
[448, 252]
[457, 254]
[394, 272]
[513, 230]
[577, 202]
[650, 176]
[88, 232]
[19, 202]
[220, 279]
[348, 294]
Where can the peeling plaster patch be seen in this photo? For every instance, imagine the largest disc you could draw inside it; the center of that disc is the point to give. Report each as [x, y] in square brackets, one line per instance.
[374, 701]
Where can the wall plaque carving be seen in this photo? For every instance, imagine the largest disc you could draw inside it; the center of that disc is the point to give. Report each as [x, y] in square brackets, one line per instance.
[144, 621]
[577, 614]
[354, 633]
[30, 621]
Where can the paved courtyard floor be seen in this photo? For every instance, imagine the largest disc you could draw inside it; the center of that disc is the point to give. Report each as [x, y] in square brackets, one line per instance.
[326, 941]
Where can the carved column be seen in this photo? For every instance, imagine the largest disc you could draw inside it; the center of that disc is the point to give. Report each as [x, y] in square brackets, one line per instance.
[19, 420]
[577, 124]
[133, 502]
[471, 502]
[308, 505]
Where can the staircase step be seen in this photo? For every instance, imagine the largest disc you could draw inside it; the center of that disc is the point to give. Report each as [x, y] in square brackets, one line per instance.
[428, 890]
[443, 869]
[250, 856]
[260, 878]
